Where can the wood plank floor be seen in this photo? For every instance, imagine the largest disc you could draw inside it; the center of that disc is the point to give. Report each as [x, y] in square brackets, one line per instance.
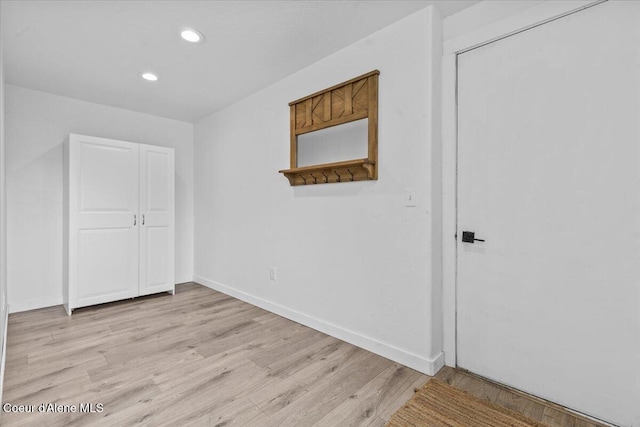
[196, 358]
[202, 358]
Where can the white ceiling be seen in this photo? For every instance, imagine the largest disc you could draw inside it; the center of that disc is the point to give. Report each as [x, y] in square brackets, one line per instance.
[96, 50]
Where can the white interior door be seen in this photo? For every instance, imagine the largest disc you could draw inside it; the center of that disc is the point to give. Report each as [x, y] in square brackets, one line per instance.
[549, 177]
[157, 232]
[103, 220]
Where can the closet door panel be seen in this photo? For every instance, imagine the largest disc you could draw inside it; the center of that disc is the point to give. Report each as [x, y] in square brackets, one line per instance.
[104, 217]
[105, 177]
[157, 232]
[158, 262]
[103, 271]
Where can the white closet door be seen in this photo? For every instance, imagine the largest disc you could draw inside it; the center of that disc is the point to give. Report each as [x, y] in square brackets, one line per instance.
[157, 207]
[103, 248]
[549, 177]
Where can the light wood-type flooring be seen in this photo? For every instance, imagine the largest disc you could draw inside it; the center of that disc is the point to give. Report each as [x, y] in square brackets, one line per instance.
[198, 357]
[203, 358]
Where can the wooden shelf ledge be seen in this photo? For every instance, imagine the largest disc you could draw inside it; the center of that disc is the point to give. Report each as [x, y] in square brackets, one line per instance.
[347, 171]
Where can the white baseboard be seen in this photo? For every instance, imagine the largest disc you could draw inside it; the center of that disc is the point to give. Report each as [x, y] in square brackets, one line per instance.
[33, 304]
[182, 280]
[414, 361]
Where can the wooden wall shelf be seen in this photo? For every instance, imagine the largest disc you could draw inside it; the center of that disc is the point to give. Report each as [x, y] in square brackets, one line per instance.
[347, 171]
[355, 99]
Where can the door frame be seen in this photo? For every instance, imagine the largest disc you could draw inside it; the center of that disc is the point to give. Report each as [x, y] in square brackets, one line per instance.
[522, 21]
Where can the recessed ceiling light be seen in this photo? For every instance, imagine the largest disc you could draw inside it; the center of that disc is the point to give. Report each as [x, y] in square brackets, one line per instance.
[192, 36]
[150, 76]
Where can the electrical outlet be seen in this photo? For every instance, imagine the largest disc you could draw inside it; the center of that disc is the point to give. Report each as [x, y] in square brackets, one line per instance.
[272, 273]
[410, 197]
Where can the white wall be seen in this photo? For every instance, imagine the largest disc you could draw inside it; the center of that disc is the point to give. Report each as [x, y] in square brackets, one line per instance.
[484, 14]
[3, 230]
[351, 259]
[37, 123]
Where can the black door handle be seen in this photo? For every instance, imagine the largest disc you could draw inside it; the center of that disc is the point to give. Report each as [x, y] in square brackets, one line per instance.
[470, 237]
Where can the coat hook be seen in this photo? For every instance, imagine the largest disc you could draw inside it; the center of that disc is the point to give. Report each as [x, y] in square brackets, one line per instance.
[315, 180]
[349, 170]
[326, 178]
[304, 180]
[337, 174]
